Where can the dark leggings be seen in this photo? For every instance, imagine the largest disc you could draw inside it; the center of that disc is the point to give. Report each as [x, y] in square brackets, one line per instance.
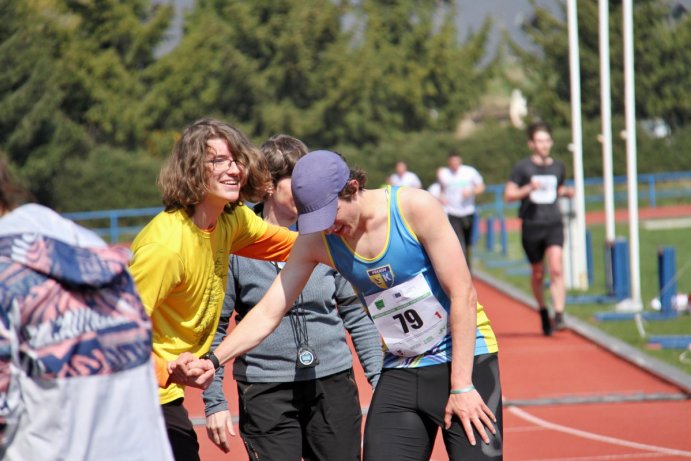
[317, 419]
[408, 408]
[183, 439]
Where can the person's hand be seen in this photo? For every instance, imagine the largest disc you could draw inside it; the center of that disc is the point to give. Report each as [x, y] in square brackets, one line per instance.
[187, 370]
[471, 410]
[216, 425]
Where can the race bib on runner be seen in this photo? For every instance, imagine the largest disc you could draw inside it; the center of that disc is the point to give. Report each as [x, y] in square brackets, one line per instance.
[546, 191]
[409, 317]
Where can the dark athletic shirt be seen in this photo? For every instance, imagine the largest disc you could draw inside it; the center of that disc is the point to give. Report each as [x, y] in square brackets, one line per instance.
[541, 206]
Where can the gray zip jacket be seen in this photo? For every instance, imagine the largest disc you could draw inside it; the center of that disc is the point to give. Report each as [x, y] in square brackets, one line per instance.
[328, 303]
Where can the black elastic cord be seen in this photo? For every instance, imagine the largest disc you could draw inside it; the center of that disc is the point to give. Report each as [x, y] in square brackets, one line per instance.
[298, 318]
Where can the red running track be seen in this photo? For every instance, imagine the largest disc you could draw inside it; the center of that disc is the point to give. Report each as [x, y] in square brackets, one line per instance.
[546, 381]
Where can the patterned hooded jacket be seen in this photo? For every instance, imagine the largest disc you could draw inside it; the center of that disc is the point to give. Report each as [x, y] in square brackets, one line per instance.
[76, 381]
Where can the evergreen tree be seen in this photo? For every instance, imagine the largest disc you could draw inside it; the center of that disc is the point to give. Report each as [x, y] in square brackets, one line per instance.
[259, 65]
[328, 72]
[407, 72]
[662, 51]
[69, 80]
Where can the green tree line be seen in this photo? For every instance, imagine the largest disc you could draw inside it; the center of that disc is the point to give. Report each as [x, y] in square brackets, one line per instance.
[661, 56]
[88, 111]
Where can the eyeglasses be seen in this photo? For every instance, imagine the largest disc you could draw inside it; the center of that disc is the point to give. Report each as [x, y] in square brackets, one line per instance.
[219, 163]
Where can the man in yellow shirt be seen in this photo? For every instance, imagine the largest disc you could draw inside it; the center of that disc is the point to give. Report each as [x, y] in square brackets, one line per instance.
[181, 257]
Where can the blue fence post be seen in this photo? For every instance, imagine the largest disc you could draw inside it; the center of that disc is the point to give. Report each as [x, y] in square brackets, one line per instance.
[499, 201]
[489, 234]
[475, 236]
[590, 267]
[666, 263]
[620, 269]
[114, 231]
[609, 269]
[504, 236]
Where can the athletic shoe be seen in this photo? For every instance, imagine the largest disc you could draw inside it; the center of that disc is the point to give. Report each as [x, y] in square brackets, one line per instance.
[559, 321]
[546, 321]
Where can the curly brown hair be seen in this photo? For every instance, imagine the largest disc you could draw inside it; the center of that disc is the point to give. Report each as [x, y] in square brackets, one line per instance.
[349, 191]
[282, 152]
[184, 177]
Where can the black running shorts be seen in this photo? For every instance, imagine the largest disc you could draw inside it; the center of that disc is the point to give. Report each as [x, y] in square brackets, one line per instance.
[537, 238]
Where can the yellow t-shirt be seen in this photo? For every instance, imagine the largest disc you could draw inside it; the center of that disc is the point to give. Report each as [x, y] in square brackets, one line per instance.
[181, 272]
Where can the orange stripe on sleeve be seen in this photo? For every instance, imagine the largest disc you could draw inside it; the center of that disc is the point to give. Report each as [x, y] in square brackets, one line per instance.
[274, 245]
[161, 370]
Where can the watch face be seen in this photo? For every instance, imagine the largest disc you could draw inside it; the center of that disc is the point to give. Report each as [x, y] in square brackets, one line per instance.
[306, 358]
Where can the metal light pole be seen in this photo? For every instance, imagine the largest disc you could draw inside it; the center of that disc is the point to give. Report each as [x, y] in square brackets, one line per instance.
[606, 115]
[580, 266]
[606, 140]
[631, 156]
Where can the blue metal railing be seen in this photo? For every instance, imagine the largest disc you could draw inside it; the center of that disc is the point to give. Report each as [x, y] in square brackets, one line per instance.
[496, 206]
[115, 230]
[649, 194]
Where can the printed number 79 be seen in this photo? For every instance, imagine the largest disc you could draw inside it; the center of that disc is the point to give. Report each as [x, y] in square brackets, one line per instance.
[409, 318]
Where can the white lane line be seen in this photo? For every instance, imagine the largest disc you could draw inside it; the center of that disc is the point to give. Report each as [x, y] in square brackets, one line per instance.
[600, 438]
[607, 457]
[515, 430]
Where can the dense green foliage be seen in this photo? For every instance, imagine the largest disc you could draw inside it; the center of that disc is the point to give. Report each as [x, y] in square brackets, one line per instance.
[70, 82]
[297, 67]
[89, 111]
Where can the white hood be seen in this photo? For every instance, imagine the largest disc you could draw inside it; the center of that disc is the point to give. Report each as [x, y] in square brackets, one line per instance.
[37, 219]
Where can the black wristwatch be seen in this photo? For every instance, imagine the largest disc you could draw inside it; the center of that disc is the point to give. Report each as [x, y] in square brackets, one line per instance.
[211, 356]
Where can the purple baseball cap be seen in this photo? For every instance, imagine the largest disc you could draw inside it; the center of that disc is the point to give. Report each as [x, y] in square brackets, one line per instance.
[317, 179]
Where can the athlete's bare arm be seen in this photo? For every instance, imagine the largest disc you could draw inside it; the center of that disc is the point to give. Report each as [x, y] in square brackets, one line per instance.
[263, 318]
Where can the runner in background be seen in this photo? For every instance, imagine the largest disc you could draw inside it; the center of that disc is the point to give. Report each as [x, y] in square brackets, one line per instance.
[538, 182]
[435, 187]
[180, 260]
[459, 184]
[403, 177]
[440, 366]
[297, 394]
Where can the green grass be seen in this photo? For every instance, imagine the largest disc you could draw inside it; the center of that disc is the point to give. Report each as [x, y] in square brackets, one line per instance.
[650, 243]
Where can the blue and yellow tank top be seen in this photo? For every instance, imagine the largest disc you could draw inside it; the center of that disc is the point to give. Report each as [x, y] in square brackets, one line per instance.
[402, 259]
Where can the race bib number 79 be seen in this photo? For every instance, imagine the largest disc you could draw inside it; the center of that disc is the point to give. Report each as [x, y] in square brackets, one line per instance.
[409, 317]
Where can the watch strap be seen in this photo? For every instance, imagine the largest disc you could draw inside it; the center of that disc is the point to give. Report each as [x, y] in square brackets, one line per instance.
[212, 357]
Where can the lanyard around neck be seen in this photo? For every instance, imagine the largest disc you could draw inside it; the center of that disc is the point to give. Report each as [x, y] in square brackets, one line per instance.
[297, 316]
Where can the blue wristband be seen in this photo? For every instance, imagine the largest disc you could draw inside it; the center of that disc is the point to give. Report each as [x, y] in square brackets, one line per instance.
[462, 391]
